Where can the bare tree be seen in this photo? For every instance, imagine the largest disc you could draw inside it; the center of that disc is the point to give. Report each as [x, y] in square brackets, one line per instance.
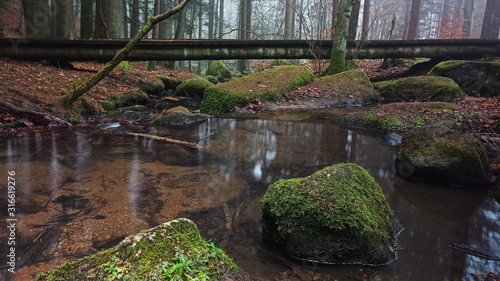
[86, 19]
[122, 54]
[491, 21]
[414, 19]
[366, 20]
[109, 19]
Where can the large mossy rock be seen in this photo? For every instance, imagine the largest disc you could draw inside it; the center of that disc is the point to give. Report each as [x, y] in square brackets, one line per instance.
[419, 88]
[171, 251]
[267, 85]
[476, 78]
[337, 215]
[219, 70]
[351, 88]
[439, 154]
[193, 87]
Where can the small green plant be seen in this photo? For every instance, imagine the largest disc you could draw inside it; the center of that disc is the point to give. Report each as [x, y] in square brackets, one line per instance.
[109, 103]
[178, 268]
[116, 272]
[125, 65]
[393, 124]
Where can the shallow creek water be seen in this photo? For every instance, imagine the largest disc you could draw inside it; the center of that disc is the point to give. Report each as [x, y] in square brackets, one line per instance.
[82, 190]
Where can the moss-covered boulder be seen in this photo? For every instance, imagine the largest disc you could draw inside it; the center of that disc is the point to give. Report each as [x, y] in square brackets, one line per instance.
[219, 70]
[351, 88]
[337, 215]
[267, 85]
[193, 87]
[419, 88]
[476, 78]
[439, 154]
[180, 119]
[134, 96]
[171, 251]
[170, 82]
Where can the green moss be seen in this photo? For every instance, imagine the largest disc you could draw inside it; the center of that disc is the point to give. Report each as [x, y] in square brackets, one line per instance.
[220, 70]
[421, 88]
[193, 87]
[340, 205]
[267, 85]
[129, 98]
[352, 84]
[172, 251]
[445, 66]
[337, 62]
[458, 158]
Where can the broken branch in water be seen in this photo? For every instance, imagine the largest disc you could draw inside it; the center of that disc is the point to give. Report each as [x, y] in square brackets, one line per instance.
[168, 140]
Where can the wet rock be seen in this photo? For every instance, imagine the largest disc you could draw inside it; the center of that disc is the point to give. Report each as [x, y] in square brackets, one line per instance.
[170, 82]
[476, 78]
[337, 215]
[180, 120]
[151, 255]
[151, 85]
[439, 154]
[136, 108]
[392, 139]
[419, 88]
[131, 97]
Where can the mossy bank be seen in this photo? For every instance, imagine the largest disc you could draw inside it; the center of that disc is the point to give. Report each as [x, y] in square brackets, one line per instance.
[170, 251]
[267, 85]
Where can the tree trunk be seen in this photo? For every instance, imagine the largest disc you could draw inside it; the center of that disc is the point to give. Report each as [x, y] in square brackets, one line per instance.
[211, 7]
[289, 10]
[122, 54]
[245, 26]
[221, 19]
[64, 19]
[36, 18]
[87, 19]
[491, 21]
[125, 19]
[335, 12]
[354, 19]
[134, 18]
[366, 20]
[468, 14]
[340, 34]
[109, 20]
[414, 20]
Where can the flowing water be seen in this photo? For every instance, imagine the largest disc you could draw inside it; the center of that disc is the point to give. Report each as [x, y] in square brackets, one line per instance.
[81, 190]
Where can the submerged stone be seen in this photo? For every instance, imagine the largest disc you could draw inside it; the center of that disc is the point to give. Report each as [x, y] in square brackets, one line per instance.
[180, 120]
[171, 251]
[337, 215]
[439, 154]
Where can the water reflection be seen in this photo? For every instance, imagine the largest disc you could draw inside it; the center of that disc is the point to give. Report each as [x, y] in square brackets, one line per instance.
[84, 190]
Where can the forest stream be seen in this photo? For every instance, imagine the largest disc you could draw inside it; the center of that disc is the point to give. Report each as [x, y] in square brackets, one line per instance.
[85, 189]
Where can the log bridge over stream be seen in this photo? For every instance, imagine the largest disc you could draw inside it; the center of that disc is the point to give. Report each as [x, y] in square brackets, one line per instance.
[176, 50]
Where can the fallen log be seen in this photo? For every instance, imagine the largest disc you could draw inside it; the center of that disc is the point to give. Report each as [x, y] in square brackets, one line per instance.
[17, 110]
[168, 140]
